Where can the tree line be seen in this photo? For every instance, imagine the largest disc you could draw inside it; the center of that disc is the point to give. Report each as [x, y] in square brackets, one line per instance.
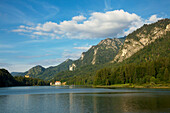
[154, 72]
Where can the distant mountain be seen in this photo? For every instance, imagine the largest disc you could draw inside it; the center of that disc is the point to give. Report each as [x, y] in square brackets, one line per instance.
[45, 73]
[33, 72]
[51, 71]
[142, 37]
[18, 73]
[6, 79]
[103, 52]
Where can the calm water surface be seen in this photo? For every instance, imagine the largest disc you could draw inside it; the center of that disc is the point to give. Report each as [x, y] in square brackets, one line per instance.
[71, 99]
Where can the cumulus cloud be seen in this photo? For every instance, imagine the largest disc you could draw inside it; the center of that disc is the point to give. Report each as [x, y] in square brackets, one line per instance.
[99, 25]
[153, 18]
[140, 23]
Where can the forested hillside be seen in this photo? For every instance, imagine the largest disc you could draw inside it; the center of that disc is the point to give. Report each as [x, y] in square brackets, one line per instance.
[154, 72]
[149, 64]
[101, 53]
[6, 80]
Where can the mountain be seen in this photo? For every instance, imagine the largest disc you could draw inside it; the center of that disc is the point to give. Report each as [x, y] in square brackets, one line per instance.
[18, 73]
[51, 71]
[6, 79]
[150, 43]
[142, 37]
[101, 53]
[143, 58]
[45, 73]
[35, 71]
[157, 49]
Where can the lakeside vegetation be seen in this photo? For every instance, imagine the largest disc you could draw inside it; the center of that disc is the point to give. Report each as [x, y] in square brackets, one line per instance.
[146, 74]
[148, 85]
[22, 81]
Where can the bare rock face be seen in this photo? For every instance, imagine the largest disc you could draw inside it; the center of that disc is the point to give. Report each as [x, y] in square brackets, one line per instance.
[72, 67]
[94, 56]
[82, 56]
[143, 37]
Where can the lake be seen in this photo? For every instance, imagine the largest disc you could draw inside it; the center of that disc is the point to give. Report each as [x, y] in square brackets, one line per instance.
[79, 99]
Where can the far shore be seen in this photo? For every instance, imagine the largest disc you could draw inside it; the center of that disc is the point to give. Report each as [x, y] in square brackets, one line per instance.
[155, 86]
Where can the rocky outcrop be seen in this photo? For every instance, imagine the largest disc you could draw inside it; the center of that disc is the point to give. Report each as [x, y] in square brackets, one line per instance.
[94, 56]
[72, 67]
[82, 56]
[141, 38]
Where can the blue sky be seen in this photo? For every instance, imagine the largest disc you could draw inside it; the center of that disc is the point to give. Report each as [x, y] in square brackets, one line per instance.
[47, 32]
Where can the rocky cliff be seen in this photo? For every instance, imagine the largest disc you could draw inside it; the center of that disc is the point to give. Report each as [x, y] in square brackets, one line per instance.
[142, 37]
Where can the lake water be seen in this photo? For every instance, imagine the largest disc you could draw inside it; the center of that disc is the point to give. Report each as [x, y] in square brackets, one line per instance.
[71, 99]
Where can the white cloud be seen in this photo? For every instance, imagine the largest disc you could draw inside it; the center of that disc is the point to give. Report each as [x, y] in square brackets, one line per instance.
[99, 25]
[40, 33]
[140, 23]
[82, 48]
[153, 18]
[21, 26]
[71, 55]
[79, 18]
[20, 30]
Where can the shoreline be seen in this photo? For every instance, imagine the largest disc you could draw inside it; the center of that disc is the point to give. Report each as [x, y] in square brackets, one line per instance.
[157, 86]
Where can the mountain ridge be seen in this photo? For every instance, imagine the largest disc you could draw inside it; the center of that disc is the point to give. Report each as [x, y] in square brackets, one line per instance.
[139, 45]
[103, 52]
[39, 71]
[155, 51]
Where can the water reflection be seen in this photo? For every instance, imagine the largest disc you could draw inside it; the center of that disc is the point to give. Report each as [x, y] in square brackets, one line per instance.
[103, 102]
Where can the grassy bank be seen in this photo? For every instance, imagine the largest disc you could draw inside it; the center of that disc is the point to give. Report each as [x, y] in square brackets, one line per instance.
[156, 86]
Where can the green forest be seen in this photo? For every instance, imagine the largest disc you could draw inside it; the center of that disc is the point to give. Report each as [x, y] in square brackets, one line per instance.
[154, 72]
[6, 80]
[150, 65]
